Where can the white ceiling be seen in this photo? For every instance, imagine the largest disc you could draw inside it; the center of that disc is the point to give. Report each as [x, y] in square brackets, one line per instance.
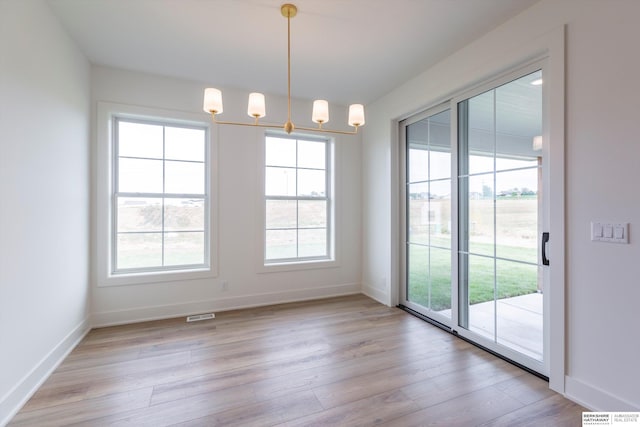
[344, 51]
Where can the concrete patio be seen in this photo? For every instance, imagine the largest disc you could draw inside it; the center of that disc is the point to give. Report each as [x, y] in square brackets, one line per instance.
[520, 322]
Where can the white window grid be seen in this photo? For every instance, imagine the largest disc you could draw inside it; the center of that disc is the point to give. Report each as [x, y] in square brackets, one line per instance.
[327, 198]
[116, 195]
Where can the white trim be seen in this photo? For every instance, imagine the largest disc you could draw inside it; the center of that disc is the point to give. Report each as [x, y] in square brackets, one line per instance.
[143, 314]
[377, 294]
[296, 266]
[596, 399]
[555, 152]
[16, 398]
[104, 159]
[395, 234]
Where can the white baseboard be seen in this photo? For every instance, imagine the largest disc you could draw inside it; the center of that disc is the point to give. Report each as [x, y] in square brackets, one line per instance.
[143, 314]
[376, 294]
[15, 399]
[596, 399]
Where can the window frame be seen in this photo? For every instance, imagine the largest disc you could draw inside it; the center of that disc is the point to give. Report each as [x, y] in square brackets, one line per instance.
[300, 263]
[106, 200]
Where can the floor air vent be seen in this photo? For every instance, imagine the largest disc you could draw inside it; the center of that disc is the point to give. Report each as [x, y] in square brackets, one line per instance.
[197, 317]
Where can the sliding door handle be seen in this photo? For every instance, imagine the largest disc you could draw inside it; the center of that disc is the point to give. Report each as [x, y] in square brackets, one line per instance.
[545, 240]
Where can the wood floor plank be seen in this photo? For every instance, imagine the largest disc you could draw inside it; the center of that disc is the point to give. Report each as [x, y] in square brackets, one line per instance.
[375, 410]
[466, 410]
[84, 411]
[265, 413]
[554, 411]
[339, 361]
[451, 385]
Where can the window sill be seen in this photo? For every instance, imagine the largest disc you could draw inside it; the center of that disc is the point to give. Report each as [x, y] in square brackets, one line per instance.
[155, 277]
[297, 266]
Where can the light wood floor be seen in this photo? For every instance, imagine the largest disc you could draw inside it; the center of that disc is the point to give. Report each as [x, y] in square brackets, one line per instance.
[336, 362]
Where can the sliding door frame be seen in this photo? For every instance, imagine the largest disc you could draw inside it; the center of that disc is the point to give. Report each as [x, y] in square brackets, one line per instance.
[549, 49]
[403, 125]
[511, 354]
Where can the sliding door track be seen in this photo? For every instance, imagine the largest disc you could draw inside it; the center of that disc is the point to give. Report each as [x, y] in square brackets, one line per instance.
[454, 333]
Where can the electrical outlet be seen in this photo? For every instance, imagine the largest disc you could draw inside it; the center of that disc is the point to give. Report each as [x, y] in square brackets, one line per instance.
[225, 285]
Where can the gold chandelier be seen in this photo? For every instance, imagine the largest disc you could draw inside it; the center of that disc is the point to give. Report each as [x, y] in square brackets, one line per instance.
[257, 110]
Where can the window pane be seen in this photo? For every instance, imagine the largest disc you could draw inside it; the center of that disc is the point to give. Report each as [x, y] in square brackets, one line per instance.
[419, 213]
[440, 280]
[280, 152]
[440, 145]
[139, 140]
[139, 176]
[184, 144]
[480, 163]
[139, 214]
[184, 177]
[311, 182]
[481, 210]
[312, 242]
[481, 292]
[312, 213]
[281, 214]
[481, 133]
[280, 181]
[516, 316]
[184, 214]
[440, 213]
[418, 161]
[184, 248]
[280, 244]
[517, 215]
[518, 119]
[139, 250]
[505, 163]
[312, 154]
[440, 164]
[418, 274]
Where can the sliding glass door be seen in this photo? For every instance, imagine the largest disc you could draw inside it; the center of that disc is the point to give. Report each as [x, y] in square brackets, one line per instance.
[428, 220]
[473, 262]
[499, 209]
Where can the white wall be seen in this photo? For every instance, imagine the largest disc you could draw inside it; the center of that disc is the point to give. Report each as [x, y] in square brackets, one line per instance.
[602, 107]
[239, 189]
[44, 197]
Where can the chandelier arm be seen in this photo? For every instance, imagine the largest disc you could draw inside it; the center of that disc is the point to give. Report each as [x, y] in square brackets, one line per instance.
[258, 125]
[324, 130]
[277, 126]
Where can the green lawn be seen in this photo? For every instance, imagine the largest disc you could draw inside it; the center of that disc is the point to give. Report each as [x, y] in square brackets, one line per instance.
[432, 268]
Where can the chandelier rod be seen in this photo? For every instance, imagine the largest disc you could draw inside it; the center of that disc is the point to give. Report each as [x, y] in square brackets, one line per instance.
[289, 65]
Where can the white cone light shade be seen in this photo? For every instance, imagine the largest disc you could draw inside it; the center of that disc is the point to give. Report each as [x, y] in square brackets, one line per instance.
[320, 111]
[356, 115]
[537, 143]
[212, 100]
[256, 106]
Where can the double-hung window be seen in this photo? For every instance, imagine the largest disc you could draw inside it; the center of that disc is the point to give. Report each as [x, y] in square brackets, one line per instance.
[160, 199]
[298, 199]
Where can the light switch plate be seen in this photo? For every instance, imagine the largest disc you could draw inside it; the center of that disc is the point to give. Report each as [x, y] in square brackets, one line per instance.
[608, 231]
